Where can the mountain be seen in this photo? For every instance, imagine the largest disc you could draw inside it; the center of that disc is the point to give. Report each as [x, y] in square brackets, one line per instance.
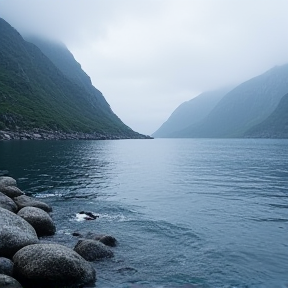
[190, 112]
[275, 126]
[245, 106]
[37, 94]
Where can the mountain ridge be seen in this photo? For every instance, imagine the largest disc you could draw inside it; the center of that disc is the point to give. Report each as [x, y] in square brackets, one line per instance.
[245, 106]
[35, 94]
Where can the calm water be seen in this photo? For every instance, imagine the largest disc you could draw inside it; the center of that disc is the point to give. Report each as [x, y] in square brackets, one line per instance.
[209, 213]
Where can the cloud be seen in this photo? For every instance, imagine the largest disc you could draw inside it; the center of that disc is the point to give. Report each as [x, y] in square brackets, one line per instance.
[149, 56]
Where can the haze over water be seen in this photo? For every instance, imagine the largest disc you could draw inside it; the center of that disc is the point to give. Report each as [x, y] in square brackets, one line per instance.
[205, 212]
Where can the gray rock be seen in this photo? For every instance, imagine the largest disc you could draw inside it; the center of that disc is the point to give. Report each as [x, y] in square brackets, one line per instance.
[105, 239]
[15, 233]
[39, 219]
[7, 181]
[52, 265]
[92, 250]
[11, 191]
[6, 266]
[26, 201]
[7, 203]
[8, 282]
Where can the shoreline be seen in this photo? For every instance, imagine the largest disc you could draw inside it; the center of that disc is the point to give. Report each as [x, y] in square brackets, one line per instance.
[42, 134]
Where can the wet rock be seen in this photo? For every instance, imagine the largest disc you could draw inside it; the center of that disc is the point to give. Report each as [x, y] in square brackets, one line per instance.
[11, 191]
[39, 219]
[15, 233]
[92, 250]
[52, 265]
[105, 239]
[87, 215]
[9, 282]
[7, 181]
[6, 266]
[77, 234]
[7, 203]
[26, 201]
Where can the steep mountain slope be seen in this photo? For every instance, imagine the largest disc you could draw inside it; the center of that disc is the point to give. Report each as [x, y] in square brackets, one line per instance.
[64, 60]
[242, 108]
[34, 93]
[190, 112]
[275, 126]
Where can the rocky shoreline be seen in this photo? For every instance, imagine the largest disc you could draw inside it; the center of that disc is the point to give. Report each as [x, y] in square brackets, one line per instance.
[28, 261]
[42, 134]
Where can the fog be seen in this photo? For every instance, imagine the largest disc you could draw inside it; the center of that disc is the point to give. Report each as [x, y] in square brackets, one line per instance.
[149, 56]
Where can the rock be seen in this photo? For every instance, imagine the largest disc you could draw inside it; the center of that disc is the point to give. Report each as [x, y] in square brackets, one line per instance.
[86, 216]
[92, 250]
[9, 282]
[11, 191]
[105, 239]
[6, 266]
[52, 265]
[26, 201]
[7, 181]
[39, 219]
[7, 203]
[15, 233]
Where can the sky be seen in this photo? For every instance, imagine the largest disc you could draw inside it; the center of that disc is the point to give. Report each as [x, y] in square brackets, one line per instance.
[149, 56]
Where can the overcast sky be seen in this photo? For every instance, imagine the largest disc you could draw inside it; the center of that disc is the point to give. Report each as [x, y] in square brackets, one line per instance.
[149, 56]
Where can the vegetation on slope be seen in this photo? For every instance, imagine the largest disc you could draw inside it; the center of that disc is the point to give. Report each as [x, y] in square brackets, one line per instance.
[34, 93]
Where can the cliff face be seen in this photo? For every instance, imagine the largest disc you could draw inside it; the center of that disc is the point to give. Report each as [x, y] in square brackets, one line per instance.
[37, 94]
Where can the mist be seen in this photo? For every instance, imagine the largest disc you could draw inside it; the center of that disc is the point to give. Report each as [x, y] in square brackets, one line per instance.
[147, 57]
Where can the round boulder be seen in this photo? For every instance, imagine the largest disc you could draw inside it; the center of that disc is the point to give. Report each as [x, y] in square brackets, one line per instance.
[6, 266]
[11, 191]
[39, 219]
[8, 282]
[52, 265]
[92, 250]
[7, 181]
[7, 203]
[105, 239]
[26, 201]
[15, 233]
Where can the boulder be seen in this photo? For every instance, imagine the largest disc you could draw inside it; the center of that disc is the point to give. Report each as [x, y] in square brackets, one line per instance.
[15, 233]
[7, 203]
[92, 250]
[11, 191]
[52, 265]
[105, 239]
[39, 219]
[7, 181]
[8, 282]
[6, 266]
[26, 201]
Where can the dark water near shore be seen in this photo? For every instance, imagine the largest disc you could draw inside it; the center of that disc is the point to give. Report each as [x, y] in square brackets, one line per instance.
[209, 213]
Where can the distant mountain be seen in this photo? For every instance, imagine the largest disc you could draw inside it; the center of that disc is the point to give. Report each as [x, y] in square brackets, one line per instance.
[275, 126]
[36, 93]
[242, 108]
[190, 112]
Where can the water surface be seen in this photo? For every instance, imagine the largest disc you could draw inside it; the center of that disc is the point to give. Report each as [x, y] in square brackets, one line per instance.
[203, 212]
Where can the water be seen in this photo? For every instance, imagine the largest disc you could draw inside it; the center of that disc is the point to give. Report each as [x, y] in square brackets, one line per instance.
[186, 212]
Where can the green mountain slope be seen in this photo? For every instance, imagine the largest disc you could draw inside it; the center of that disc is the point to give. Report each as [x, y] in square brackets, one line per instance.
[275, 126]
[34, 93]
[242, 108]
[190, 112]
